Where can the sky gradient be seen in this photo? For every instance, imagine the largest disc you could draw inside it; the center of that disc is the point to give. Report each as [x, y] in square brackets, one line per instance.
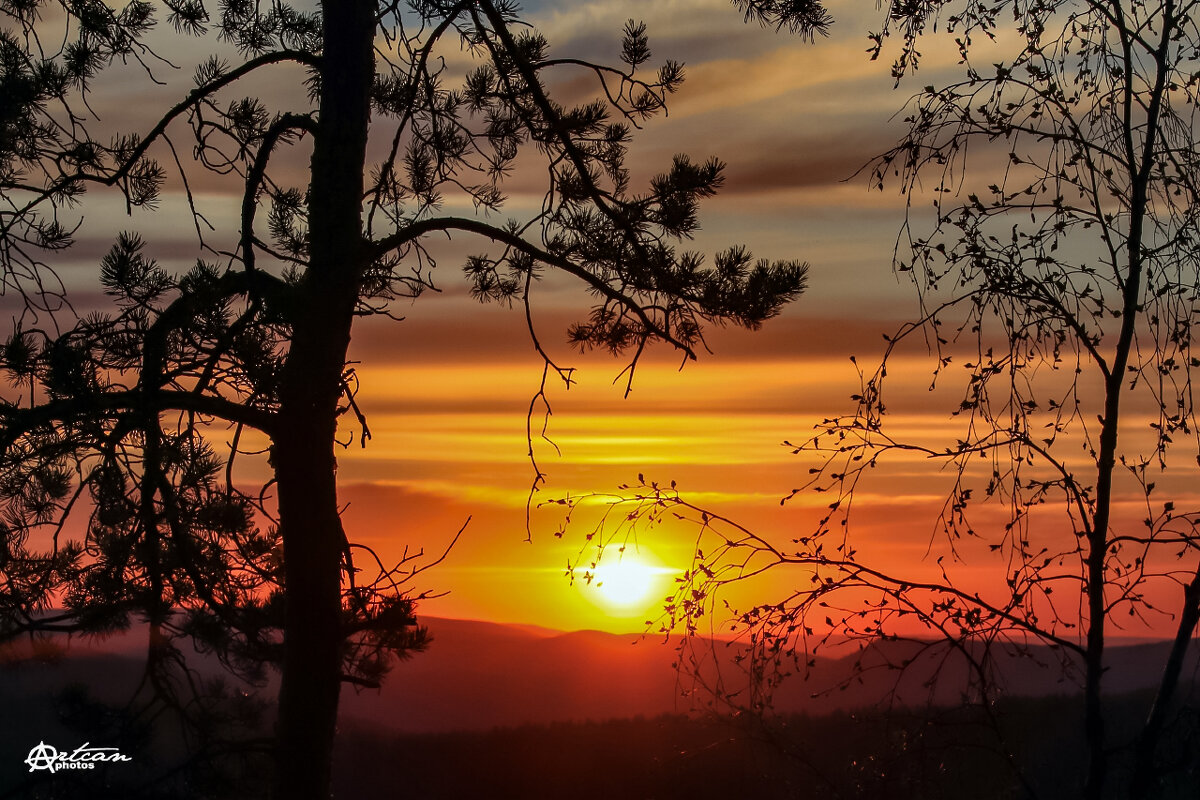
[447, 390]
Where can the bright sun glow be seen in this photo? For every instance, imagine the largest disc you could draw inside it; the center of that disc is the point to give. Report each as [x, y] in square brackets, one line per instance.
[627, 585]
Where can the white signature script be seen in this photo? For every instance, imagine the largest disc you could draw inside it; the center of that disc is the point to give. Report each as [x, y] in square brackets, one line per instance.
[46, 757]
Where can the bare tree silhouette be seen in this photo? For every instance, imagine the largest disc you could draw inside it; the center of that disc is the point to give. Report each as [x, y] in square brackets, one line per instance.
[1059, 272]
[120, 415]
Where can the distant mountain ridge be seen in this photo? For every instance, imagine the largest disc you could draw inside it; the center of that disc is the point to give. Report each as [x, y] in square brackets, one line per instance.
[481, 675]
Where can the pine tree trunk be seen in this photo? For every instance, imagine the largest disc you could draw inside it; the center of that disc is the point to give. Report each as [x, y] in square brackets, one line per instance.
[303, 449]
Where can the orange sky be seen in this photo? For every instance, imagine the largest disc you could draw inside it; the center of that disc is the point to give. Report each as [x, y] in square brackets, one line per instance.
[446, 390]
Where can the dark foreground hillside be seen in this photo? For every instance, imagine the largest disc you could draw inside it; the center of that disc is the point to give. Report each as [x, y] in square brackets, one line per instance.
[931, 754]
[495, 711]
[934, 754]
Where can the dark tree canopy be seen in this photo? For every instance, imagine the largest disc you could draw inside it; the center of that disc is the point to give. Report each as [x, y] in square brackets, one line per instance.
[124, 429]
[805, 17]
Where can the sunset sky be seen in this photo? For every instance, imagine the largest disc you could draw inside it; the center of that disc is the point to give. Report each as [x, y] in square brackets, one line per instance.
[447, 389]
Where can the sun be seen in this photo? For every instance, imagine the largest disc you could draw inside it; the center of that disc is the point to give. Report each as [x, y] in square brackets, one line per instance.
[626, 585]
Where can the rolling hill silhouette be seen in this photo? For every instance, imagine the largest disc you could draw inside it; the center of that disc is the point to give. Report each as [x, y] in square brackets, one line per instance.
[482, 675]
